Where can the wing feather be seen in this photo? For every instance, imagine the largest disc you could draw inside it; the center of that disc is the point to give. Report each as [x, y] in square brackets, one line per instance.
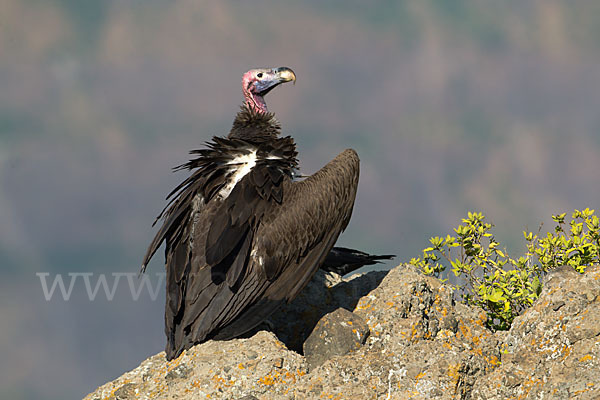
[313, 234]
[231, 262]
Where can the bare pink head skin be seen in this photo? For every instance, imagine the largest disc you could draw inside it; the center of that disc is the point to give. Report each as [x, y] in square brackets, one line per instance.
[256, 83]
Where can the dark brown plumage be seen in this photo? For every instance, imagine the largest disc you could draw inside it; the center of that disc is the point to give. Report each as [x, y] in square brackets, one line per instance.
[343, 260]
[242, 236]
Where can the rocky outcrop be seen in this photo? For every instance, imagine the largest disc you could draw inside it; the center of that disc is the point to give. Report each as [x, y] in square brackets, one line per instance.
[336, 334]
[553, 350]
[420, 344]
[327, 292]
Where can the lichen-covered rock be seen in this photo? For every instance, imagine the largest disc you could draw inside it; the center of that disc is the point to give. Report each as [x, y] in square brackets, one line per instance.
[336, 334]
[327, 292]
[553, 349]
[259, 367]
[421, 346]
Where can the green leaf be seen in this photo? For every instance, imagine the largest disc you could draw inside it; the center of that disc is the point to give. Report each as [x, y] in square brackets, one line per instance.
[536, 286]
[496, 296]
[500, 285]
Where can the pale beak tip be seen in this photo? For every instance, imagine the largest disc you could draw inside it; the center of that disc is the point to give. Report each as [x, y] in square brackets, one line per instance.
[287, 75]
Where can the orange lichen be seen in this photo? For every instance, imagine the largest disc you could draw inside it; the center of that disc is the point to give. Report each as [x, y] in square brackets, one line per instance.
[195, 383]
[221, 382]
[363, 304]
[420, 375]
[464, 330]
[267, 380]
[453, 373]
[280, 376]
[174, 363]
[585, 358]
[565, 351]
[577, 392]
[414, 332]
[528, 385]
[493, 360]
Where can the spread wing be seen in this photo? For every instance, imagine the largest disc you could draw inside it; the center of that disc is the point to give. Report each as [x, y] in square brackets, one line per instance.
[294, 240]
[233, 258]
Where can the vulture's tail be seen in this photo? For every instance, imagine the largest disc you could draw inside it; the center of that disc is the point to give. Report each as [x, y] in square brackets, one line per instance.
[342, 260]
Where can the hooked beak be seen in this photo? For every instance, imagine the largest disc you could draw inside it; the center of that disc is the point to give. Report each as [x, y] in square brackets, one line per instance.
[285, 74]
[275, 77]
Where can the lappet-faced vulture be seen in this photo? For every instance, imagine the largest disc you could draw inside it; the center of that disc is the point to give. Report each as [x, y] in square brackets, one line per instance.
[242, 233]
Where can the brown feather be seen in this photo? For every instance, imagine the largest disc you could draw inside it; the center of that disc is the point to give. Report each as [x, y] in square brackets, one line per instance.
[232, 259]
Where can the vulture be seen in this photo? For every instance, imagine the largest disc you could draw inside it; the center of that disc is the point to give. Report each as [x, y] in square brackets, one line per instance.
[244, 233]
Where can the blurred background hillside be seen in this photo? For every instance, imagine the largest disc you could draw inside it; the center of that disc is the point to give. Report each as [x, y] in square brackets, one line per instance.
[452, 106]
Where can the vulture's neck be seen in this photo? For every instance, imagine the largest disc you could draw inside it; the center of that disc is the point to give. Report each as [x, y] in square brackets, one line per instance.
[255, 126]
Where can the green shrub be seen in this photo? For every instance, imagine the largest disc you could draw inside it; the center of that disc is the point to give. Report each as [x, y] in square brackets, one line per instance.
[489, 278]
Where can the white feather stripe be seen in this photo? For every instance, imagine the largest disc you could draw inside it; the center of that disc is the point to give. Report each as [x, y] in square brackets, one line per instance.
[242, 165]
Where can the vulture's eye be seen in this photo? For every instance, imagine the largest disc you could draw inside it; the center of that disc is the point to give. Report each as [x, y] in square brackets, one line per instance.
[259, 75]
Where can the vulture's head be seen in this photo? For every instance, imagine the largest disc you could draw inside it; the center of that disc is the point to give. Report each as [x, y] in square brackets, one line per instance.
[256, 83]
